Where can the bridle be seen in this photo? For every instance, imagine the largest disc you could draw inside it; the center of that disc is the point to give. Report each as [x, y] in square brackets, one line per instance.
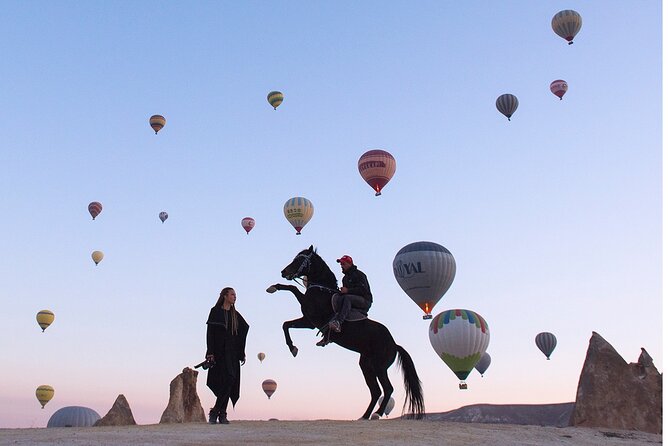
[303, 268]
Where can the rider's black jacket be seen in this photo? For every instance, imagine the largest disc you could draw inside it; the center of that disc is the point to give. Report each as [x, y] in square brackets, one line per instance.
[357, 283]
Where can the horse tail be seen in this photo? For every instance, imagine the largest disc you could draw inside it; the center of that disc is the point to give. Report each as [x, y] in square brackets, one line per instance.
[414, 398]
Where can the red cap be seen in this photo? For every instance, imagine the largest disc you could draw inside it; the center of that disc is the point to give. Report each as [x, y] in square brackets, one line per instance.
[346, 259]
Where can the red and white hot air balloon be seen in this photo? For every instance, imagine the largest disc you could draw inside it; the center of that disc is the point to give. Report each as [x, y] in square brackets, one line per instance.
[559, 88]
[377, 168]
[248, 223]
[95, 207]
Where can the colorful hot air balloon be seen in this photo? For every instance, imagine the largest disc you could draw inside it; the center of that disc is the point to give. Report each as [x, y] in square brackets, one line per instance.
[248, 223]
[298, 211]
[559, 88]
[157, 122]
[45, 318]
[261, 356]
[507, 104]
[546, 342]
[275, 98]
[483, 364]
[163, 216]
[44, 394]
[377, 168]
[425, 271]
[95, 208]
[460, 338]
[97, 256]
[269, 387]
[567, 24]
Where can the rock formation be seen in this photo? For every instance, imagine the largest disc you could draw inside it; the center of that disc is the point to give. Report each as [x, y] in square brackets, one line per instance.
[119, 414]
[617, 395]
[184, 405]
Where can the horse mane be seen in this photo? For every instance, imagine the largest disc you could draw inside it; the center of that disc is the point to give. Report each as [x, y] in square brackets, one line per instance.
[324, 276]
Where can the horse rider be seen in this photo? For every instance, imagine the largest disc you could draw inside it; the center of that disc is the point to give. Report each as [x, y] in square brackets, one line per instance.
[355, 293]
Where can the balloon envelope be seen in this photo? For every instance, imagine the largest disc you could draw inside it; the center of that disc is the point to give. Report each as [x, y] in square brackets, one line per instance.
[425, 271]
[163, 216]
[45, 318]
[390, 405]
[97, 256]
[567, 24]
[507, 104]
[377, 168]
[157, 122]
[95, 207]
[546, 342]
[484, 363]
[269, 387]
[460, 338]
[275, 98]
[261, 356]
[73, 416]
[559, 88]
[248, 223]
[298, 211]
[44, 394]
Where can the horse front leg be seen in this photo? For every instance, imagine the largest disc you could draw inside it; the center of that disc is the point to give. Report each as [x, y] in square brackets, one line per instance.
[302, 322]
[280, 287]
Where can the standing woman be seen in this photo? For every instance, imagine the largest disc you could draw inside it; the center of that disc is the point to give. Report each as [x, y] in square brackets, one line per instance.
[226, 346]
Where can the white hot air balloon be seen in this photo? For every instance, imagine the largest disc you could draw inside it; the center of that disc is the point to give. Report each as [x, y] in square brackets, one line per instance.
[425, 271]
[298, 211]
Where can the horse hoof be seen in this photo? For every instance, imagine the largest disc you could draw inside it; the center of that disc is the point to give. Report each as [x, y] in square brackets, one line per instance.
[375, 416]
[271, 289]
[294, 351]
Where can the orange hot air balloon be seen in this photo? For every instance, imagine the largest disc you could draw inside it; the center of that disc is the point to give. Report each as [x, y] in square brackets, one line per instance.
[248, 223]
[377, 168]
[157, 122]
[269, 387]
[95, 207]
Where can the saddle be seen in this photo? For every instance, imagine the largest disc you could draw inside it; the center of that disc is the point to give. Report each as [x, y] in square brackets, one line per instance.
[355, 313]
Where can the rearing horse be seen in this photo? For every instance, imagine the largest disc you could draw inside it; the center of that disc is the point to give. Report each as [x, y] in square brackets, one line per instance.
[371, 339]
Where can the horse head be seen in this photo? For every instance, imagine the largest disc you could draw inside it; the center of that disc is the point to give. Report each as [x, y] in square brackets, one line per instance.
[300, 265]
[308, 263]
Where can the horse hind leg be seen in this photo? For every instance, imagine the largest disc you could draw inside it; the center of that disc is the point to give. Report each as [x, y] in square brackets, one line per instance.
[387, 391]
[302, 322]
[372, 383]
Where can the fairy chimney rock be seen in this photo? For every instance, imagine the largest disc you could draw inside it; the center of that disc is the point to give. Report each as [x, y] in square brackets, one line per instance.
[119, 414]
[617, 395]
[184, 405]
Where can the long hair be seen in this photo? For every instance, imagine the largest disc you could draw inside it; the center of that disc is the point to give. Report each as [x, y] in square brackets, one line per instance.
[233, 311]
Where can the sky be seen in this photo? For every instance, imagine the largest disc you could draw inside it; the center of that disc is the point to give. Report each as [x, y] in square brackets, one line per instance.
[553, 218]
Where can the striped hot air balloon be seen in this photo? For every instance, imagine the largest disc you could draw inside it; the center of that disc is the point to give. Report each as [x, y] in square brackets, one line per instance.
[95, 207]
[73, 416]
[546, 342]
[44, 394]
[157, 122]
[507, 104]
[275, 98]
[425, 271]
[377, 168]
[97, 256]
[248, 223]
[45, 318]
[483, 364]
[460, 338]
[567, 24]
[269, 387]
[298, 211]
[559, 88]
[163, 216]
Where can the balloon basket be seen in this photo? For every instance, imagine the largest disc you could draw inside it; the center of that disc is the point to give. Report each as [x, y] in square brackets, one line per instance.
[427, 316]
[463, 386]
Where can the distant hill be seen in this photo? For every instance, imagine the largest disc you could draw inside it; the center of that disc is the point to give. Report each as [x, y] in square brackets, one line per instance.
[558, 415]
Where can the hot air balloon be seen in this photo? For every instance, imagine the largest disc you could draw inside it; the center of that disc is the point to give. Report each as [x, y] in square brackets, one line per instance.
[95, 208]
[45, 318]
[546, 342]
[377, 168]
[275, 98]
[559, 88]
[269, 387]
[157, 122]
[44, 394]
[97, 256]
[298, 211]
[425, 271]
[507, 104]
[567, 24]
[460, 338]
[261, 356]
[248, 223]
[73, 416]
[483, 364]
[163, 216]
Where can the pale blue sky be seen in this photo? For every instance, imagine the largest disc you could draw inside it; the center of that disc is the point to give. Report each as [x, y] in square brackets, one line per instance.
[554, 218]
